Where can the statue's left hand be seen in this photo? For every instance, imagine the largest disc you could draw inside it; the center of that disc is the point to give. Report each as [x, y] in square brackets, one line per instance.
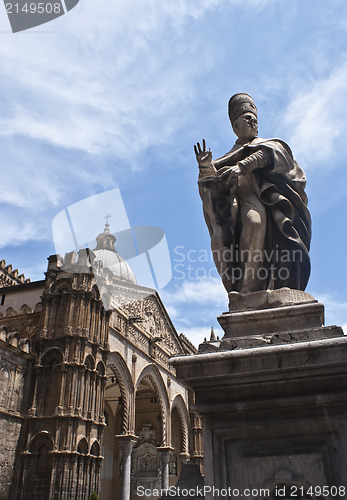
[230, 174]
[233, 171]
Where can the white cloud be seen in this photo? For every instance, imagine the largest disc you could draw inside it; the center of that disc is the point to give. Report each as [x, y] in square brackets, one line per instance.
[103, 81]
[30, 180]
[97, 84]
[197, 334]
[315, 120]
[16, 232]
[335, 310]
[35, 272]
[172, 311]
[192, 301]
[204, 291]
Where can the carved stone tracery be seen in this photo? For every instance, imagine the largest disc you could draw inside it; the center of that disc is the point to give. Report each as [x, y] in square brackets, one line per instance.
[146, 460]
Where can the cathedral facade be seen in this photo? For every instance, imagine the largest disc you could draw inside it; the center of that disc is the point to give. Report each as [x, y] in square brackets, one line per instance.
[88, 398]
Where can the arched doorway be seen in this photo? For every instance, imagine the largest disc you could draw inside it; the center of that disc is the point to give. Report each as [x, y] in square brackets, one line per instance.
[150, 427]
[179, 437]
[118, 393]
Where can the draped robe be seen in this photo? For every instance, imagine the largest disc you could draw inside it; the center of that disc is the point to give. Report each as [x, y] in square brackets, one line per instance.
[279, 185]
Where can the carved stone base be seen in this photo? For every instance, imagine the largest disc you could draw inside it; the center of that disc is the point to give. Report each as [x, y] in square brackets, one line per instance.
[270, 311]
[277, 319]
[267, 299]
[274, 413]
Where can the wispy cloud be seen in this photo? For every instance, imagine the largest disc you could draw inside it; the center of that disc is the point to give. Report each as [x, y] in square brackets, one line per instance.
[205, 291]
[21, 231]
[316, 125]
[82, 103]
[197, 334]
[335, 310]
[102, 82]
[192, 302]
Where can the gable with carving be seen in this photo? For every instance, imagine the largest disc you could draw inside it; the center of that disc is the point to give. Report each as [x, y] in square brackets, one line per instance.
[156, 324]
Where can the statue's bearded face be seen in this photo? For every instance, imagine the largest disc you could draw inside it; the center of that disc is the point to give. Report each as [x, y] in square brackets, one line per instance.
[246, 126]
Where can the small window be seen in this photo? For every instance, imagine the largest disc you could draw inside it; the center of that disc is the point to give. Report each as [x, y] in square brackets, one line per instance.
[2, 302]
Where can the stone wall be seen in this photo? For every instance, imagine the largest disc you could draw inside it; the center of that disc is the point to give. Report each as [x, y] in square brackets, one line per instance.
[14, 364]
[9, 436]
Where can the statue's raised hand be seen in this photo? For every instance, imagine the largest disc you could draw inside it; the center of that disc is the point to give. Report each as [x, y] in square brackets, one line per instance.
[203, 157]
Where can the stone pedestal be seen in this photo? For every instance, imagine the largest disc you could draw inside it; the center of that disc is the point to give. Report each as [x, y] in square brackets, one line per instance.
[273, 398]
[270, 311]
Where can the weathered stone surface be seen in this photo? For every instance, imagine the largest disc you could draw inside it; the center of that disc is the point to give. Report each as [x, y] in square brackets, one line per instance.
[190, 480]
[267, 299]
[282, 338]
[60, 382]
[272, 393]
[9, 435]
[15, 367]
[273, 415]
[277, 319]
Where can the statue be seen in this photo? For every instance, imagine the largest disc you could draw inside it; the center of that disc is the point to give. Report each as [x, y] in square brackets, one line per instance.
[255, 208]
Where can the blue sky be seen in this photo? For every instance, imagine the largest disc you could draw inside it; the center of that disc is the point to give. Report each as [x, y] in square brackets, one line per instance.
[116, 92]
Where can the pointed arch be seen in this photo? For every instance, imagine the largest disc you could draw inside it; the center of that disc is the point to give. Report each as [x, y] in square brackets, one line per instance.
[37, 476]
[152, 373]
[5, 383]
[3, 333]
[49, 380]
[89, 362]
[81, 468]
[62, 286]
[100, 368]
[179, 404]
[11, 312]
[25, 309]
[25, 345]
[38, 307]
[126, 387]
[13, 339]
[82, 446]
[95, 292]
[53, 356]
[95, 448]
[43, 438]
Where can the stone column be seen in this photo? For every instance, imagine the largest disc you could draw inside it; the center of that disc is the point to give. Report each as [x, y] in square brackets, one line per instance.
[185, 457]
[127, 442]
[165, 452]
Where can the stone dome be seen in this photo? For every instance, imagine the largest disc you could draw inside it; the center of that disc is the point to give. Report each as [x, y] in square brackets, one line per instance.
[106, 253]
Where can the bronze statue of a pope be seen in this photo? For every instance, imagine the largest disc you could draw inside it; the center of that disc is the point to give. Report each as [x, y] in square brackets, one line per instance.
[255, 208]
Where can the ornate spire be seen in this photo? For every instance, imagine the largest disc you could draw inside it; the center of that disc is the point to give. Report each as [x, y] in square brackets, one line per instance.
[212, 336]
[106, 240]
[106, 253]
